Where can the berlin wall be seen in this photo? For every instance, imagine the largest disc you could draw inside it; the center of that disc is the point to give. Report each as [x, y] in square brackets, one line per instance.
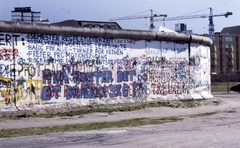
[47, 64]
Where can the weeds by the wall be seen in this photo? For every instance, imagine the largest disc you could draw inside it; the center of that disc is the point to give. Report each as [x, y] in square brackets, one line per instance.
[6, 133]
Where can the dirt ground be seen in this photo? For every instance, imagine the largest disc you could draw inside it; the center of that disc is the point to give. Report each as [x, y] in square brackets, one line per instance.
[228, 103]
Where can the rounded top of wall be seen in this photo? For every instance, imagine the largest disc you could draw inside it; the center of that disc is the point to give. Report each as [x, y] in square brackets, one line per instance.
[23, 27]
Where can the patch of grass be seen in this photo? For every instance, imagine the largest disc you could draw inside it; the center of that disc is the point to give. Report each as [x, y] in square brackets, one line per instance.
[4, 118]
[219, 88]
[106, 110]
[216, 102]
[6, 133]
[222, 86]
[190, 104]
[93, 109]
[202, 115]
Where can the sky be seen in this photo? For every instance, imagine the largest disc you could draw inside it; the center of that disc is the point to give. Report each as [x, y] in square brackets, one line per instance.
[104, 10]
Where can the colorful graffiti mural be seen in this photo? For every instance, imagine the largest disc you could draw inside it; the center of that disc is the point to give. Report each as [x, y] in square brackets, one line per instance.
[54, 68]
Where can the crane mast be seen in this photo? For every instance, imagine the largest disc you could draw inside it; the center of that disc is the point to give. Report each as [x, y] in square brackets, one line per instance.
[211, 25]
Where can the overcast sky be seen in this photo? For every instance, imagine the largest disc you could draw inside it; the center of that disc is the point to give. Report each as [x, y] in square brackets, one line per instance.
[104, 10]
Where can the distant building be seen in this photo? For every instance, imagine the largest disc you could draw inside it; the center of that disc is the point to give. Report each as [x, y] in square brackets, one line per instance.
[182, 28]
[225, 51]
[164, 29]
[25, 14]
[91, 24]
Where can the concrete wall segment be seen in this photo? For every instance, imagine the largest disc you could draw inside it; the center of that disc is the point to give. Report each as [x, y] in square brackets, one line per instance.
[60, 66]
[23, 27]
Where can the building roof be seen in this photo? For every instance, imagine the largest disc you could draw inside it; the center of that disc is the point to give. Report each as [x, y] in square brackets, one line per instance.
[92, 24]
[71, 23]
[22, 9]
[231, 30]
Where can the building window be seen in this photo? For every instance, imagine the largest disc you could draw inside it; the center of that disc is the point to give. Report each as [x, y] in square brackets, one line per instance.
[228, 53]
[213, 38]
[213, 52]
[221, 52]
[228, 45]
[220, 38]
[237, 65]
[228, 38]
[213, 67]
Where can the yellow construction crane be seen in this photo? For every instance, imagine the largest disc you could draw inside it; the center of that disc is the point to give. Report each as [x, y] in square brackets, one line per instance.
[152, 16]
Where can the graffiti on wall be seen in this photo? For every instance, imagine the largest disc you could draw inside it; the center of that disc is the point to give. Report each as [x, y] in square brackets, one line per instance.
[53, 68]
